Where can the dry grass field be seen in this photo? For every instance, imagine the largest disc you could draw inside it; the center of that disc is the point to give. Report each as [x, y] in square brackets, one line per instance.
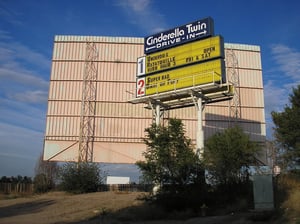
[60, 207]
[101, 207]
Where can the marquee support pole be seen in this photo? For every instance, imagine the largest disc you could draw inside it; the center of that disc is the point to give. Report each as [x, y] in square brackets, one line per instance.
[157, 114]
[200, 133]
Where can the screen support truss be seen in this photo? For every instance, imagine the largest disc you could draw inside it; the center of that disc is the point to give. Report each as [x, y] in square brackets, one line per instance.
[233, 75]
[88, 105]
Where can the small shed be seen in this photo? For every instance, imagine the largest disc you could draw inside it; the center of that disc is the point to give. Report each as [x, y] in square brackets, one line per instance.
[263, 192]
[117, 180]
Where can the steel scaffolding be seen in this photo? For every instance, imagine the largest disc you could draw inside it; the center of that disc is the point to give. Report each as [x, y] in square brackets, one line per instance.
[88, 105]
[233, 76]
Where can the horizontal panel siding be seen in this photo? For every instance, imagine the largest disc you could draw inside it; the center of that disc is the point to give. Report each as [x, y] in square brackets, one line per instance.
[245, 59]
[212, 126]
[132, 128]
[249, 59]
[119, 52]
[252, 114]
[250, 78]
[254, 130]
[106, 109]
[114, 109]
[190, 128]
[64, 108]
[69, 51]
[216, 113]
[109, 71]
[121, 127]
[62, 126]
[252, 97]
[108, 39]
[65, 90]
[184, 113]
[245, 47]
[220, 104]
[121, 124]
[113, 91]
[71, 70]
[113, 52]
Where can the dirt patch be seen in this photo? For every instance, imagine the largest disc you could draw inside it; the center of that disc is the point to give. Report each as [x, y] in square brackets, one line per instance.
[59, 207]
[94, 208]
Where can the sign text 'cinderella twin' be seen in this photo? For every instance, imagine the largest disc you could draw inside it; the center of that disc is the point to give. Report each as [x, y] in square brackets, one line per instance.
[192, 31]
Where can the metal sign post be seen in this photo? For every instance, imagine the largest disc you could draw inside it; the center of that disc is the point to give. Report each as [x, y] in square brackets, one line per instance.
[157, 114]
[200, 134]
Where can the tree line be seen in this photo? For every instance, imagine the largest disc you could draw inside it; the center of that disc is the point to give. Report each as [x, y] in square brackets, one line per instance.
[16, 179]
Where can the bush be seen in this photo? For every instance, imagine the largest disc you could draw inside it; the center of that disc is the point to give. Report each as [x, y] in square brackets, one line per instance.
[80, 177]
[172, 163]
[181, 198]
[287, 194]
[41, 183]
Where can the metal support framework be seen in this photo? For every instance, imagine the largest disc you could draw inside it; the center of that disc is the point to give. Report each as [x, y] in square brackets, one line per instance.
[88, 105]
[160, 115]
[197, 99]
[198, 96]
[233, 75]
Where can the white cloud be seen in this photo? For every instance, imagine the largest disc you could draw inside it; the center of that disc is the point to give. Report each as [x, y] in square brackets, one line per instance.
[275, 96]
[35, 96]
[22, 76]
[9, 15]
[19, 149]
[288, 60]
[29, 55]
[4, 35]
[141, 13]
[138, 6]
[20, 72]
[285, 75]
[22, 114]
[23, 99]
[21, 65]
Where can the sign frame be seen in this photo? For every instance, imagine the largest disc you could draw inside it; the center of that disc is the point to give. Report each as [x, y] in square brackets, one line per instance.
[195, 52]
[196, 30]
[212, 71]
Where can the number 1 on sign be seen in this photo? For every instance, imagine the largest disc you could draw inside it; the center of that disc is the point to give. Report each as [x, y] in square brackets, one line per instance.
[141, 66]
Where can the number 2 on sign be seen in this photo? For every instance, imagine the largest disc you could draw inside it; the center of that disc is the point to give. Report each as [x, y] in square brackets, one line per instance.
[141, 66]
[140, 87]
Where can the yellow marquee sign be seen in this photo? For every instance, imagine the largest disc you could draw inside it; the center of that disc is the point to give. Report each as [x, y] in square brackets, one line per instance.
[194, 75]
[194, 52]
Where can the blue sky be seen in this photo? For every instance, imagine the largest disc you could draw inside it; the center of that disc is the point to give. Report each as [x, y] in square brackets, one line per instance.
[27, 29]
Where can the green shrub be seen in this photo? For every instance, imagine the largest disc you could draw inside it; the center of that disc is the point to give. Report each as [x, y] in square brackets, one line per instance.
[80, 177]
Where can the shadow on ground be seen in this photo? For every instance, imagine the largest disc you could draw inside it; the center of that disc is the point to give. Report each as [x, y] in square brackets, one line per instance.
[25, 208]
